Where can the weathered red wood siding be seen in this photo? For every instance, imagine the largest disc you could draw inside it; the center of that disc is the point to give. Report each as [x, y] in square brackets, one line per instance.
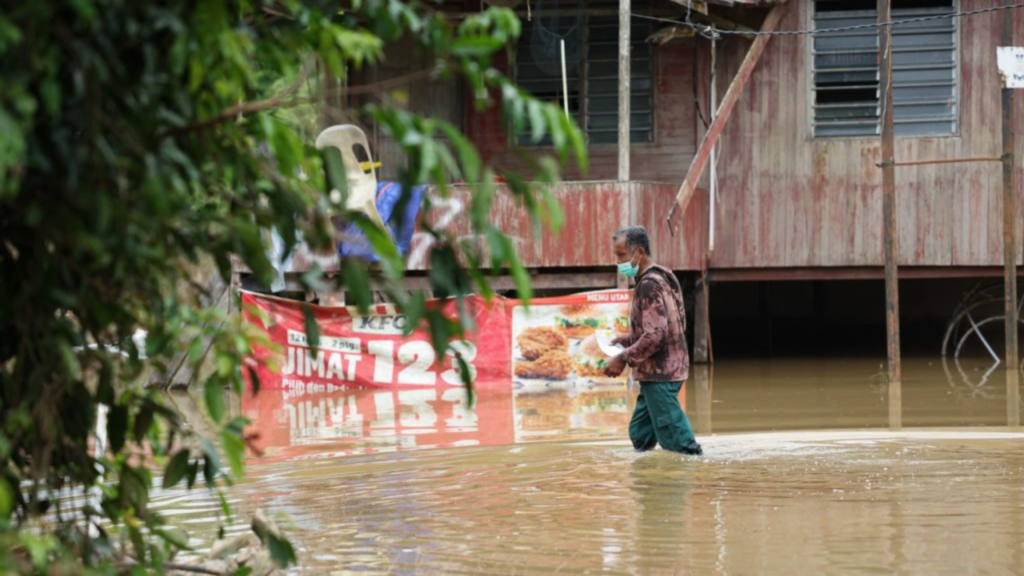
[786, 199]
[593, 211]
[790, 200]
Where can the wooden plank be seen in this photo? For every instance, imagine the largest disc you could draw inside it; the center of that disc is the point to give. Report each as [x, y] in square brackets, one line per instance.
[703, 155]
[696, 6]
[649, 203]
[949, 161]
[582, 281]
[743, 3]
[702, 399]
[975, 190]
[666, 35]
[851, 273]
[700, 13]
[701, 322]
[1009, 205]
[892, 300]
[625, 11]
[1010, 361]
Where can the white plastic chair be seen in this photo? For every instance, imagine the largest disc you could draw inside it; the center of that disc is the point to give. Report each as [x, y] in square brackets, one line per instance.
[361, 176]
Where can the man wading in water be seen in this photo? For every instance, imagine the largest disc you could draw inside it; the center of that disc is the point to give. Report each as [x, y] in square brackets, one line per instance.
[656, 347]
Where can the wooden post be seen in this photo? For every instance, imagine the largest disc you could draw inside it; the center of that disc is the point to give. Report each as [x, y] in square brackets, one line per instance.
[892, 295]
[732, 96]
[1010, 240]
[701, 376]
[701, 327]
[713, 183]
[624, 91]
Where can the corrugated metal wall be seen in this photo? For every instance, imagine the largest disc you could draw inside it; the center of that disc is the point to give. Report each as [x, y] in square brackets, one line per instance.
[789, 200]
[786, 199]
[593, 211]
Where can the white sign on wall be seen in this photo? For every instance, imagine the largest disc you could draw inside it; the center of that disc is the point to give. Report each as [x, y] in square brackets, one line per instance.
[1010, 61]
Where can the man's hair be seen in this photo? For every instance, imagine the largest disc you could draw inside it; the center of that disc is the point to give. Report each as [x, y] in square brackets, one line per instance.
[635, 237]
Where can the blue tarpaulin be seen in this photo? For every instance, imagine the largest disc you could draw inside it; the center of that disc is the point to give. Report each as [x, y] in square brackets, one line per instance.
[355, 244]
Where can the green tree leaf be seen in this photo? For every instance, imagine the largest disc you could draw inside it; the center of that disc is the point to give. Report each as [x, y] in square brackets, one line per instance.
[358, 284]
[117, 427]
[177, 468]
[234, 449]
[152, 151]
[476, 46]
[211, 464]
[143, 422]
[281, 550]
[175, 537]
[337, 181]
[312, 329]
[6, 501]
[213, 393]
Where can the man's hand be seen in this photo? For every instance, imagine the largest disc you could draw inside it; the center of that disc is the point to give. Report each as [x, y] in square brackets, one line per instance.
[615, 366]
[620, 340]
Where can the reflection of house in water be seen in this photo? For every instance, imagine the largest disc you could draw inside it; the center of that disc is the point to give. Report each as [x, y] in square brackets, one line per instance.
[734, 396]
[785, 394]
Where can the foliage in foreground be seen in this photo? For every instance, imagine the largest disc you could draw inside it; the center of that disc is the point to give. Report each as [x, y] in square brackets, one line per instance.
[140, 139]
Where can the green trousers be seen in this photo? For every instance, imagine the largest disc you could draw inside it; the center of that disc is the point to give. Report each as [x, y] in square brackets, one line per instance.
[659, 419]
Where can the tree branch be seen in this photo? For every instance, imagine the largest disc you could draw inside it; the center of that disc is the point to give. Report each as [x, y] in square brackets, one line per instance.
[182, 568]
[193, 569]
[279, 101]
[243, 108]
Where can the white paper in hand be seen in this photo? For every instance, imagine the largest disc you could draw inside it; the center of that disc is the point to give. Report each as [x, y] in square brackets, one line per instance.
[604, 340]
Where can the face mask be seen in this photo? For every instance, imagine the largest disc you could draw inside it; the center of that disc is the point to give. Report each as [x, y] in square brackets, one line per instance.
[628, 269]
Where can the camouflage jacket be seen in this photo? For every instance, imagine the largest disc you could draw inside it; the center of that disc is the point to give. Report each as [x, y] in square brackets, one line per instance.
[657, 319]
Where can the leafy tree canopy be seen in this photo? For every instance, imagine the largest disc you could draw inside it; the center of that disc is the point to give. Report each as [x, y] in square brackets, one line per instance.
[140, 139]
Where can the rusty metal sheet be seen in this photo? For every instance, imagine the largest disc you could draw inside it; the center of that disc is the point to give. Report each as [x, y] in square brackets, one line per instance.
[742, 3]
[593, 212]
[789, 200]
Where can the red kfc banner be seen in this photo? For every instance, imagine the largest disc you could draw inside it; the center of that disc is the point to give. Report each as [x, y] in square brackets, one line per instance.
[554, 339]
[369, 387]
[369, 350]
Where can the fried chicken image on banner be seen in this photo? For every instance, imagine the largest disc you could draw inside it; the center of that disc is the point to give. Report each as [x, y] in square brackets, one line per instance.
[534, 342]
[553, 365]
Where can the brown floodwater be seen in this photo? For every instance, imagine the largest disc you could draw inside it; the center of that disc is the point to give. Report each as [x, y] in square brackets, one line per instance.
[801, 475]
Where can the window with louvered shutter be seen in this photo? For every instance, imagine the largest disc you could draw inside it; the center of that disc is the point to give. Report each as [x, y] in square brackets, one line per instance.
[592, 71]
[846, 76]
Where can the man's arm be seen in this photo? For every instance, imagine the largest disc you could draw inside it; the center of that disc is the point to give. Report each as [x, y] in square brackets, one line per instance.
[653, 307]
